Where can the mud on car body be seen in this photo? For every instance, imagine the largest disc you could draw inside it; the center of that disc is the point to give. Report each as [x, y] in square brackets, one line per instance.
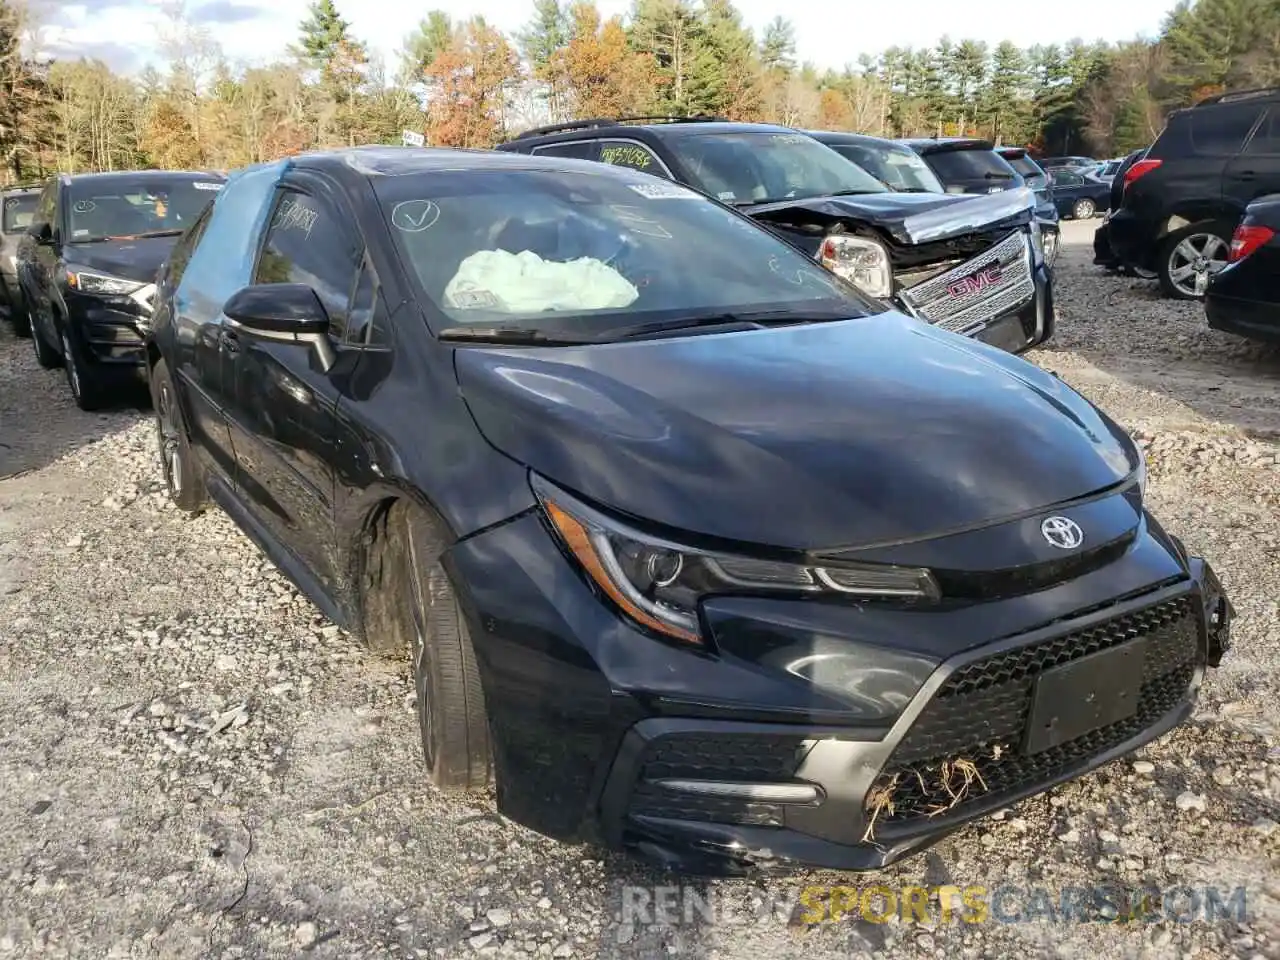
[973, 266]
[700, 552]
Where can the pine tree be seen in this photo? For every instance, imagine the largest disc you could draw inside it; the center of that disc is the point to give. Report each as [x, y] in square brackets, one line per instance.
[429, 39]
[667, 30]
[1001, 103]
[778, 45]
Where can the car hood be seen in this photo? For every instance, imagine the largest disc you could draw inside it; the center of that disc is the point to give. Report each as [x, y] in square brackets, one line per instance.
[138, 260]
[846, 434]
[910, 218]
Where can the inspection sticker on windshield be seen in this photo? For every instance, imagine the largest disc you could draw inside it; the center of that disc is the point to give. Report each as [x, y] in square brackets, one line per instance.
[206, 185]
[662, 191]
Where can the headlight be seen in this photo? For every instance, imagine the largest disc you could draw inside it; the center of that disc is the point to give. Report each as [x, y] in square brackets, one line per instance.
[658, 583]
[1050, 245]
[1142, 469]
[86, 281]
[862, 262]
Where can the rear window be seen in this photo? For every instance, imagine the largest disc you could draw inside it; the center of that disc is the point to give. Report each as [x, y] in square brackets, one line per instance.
[1221, 130]
[1025, 166]
[963, 165]
[19, 211]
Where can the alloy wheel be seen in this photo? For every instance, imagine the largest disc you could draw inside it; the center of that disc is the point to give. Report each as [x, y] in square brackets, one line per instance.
[420, 612]
[1084, 209]
[170, 449]
[1194, 260]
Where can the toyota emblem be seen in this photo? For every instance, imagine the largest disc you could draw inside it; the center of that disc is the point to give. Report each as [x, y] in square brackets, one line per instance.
[1062, 532]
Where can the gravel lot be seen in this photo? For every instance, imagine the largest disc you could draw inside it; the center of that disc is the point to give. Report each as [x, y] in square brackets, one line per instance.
[195, 764]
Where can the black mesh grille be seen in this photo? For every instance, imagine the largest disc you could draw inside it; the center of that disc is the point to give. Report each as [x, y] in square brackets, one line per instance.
[737, 756]
[965, 747]
[752, 758]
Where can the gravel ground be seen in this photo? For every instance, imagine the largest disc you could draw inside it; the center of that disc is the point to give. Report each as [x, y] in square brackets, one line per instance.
[195, 764]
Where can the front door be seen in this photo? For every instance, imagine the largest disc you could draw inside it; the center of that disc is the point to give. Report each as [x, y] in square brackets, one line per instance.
[282, 416]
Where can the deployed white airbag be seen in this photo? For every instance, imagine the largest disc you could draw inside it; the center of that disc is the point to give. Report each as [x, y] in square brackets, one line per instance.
[525, 283]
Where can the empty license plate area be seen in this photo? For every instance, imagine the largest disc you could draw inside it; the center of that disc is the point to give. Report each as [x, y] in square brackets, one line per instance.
[1084, 695]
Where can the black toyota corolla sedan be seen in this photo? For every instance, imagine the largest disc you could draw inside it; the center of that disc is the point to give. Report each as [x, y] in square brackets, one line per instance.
[1244, 297]
[697, 551]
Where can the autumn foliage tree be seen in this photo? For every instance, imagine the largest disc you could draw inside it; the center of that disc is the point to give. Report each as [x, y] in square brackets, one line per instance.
[597, 71]
[469, 82]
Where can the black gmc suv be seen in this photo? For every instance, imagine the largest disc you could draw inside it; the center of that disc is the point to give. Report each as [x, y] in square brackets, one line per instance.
[971, 265]
[1182, 201]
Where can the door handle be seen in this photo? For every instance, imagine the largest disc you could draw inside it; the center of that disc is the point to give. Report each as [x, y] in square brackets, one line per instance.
[230, 342]
[1246, 175]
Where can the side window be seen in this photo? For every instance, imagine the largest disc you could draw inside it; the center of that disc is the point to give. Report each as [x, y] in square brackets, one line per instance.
[307, 242]
[1067, 179]
[1220, 131]
[1266, 141]
[186, 246]
[365, 327]
[627, 153]
[574, 149]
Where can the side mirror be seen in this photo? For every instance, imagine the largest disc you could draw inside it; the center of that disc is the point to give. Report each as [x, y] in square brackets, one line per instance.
[41, 233]
[291, 312]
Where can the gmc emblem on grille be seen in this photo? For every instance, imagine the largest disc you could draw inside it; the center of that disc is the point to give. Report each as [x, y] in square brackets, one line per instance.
[975, 282]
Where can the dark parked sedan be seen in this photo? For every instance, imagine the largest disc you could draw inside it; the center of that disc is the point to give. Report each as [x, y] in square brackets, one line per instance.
[697, 550]
[1244, 298]
[1079, 195]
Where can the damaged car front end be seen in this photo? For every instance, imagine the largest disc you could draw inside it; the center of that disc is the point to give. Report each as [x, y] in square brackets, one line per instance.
[972, 266]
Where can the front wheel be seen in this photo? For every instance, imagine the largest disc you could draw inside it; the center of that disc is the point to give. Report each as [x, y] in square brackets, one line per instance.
[451, 706]
[1190, 257]
[1084, 209]
[83, 381]
[45, 356]
[182, 476]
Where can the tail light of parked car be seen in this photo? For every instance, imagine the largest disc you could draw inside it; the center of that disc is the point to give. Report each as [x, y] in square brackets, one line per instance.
[1248, 238]
[1139, 169]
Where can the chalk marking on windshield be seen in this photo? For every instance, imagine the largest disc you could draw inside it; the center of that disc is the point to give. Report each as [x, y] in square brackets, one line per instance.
[776, 266]
[84, 206]
[639, 223]
[414, 216]
[662, 191]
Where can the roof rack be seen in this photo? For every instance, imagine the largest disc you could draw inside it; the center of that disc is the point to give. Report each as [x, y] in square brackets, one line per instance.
[1233, 96]
[598, 122]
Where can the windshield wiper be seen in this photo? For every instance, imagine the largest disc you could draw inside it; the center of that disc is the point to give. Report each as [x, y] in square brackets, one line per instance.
[152, 233]
[996, 175]
[744, 320]
[515, 336]
[855, 193]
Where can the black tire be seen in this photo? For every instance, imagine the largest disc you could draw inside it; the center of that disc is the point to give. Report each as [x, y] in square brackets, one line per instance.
[86, 388]
[46, 356]
[19, 318]
[451, 709]
[183, 478]
[1084, 209]
[1210, 241]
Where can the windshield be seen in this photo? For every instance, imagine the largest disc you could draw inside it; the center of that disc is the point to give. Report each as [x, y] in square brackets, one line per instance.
[19, 211]
[583, 252]
[121, 208]
[759, 167]
[900, 168]
[961, 166]
[1027, 167]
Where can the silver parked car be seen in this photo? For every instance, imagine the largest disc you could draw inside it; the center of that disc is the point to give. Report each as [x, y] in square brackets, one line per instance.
[17, 208]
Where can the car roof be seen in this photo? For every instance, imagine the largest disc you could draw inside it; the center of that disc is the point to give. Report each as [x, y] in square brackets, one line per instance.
[114, 175]
[842, 136]
[658, 127]
[385, 161]
[25, 188]
[942, 144]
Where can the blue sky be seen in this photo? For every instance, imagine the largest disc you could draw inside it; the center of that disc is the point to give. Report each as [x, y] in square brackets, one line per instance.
[126, 33]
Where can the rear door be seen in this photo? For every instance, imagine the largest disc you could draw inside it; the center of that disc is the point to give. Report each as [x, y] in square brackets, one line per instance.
[1255, 172]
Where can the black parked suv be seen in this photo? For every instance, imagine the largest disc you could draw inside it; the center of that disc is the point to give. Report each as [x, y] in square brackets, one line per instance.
[696, 550]
[17, 207]
[971, 266]
[1102, 252]
[1182, 201]
[967, 164]
[87, 267]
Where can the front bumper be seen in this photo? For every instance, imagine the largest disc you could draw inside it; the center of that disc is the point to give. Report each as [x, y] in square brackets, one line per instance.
[107, 328]
[715, 761]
